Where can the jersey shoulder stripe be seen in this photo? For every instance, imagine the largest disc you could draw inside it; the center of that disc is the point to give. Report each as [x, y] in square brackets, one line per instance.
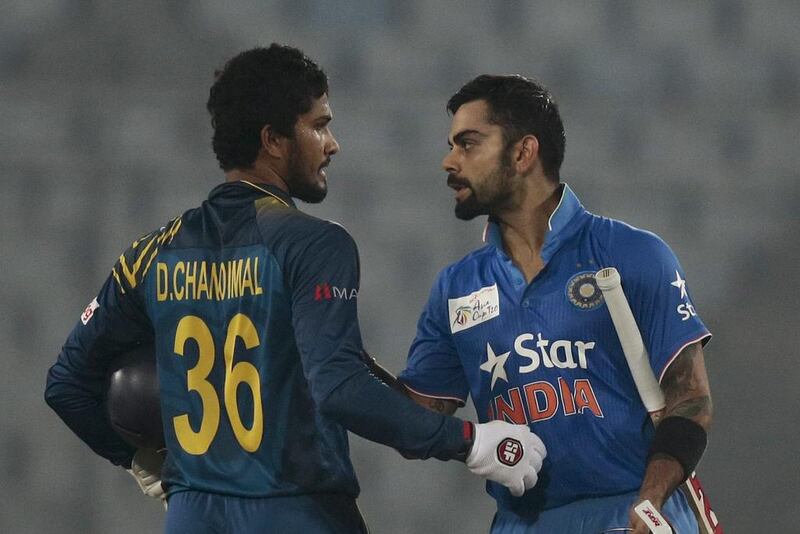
[133, 264]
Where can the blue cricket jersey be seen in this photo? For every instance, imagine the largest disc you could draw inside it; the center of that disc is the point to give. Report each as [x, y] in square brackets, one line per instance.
[546, 353]
[252, 307]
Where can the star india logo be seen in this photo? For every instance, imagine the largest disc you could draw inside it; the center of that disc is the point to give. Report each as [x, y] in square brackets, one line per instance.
[510, 452]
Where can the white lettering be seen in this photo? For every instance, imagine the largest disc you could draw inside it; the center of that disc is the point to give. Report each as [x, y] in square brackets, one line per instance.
[561, 353]
[687, 311]
[583, 348]
[541, 344]
[568, 361]
[526, 352]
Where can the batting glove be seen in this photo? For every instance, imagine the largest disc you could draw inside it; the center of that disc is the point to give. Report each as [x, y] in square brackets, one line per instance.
[146, 470]
[508, 454]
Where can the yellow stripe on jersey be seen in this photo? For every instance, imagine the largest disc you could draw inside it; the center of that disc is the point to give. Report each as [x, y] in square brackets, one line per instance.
[135, 274]
[119, 282]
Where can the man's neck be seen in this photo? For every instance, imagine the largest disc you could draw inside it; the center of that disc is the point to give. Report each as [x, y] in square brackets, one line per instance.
[525, 226]
[258, 174]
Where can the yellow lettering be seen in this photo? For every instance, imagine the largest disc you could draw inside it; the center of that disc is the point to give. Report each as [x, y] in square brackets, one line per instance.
[218, 281]
[191, 280]
[234, 278]
[202, 281]
[247, 277]
[162, 281]
[178, 288]
[256, 276]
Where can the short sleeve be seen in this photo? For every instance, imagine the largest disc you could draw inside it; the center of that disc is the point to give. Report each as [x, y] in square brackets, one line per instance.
[434, 368]
[656, 287]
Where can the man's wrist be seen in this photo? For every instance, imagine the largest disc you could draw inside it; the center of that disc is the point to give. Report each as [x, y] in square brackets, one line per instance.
[682, 439]
[662, 478]
[468, 435]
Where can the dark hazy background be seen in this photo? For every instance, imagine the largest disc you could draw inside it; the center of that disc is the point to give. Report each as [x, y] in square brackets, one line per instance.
[681, 117]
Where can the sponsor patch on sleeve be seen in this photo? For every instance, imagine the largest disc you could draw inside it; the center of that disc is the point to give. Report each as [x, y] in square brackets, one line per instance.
[473, 309]
[88, 313]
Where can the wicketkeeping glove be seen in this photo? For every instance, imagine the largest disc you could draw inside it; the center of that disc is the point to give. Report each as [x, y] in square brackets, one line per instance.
[508, 454]
[146, 470]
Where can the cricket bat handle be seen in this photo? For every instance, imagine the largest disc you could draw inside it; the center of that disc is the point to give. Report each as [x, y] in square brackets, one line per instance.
[610, 283]
[630, 338]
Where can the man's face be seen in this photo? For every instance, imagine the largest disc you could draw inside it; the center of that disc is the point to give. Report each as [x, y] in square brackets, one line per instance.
[478, 165]
[311, 150]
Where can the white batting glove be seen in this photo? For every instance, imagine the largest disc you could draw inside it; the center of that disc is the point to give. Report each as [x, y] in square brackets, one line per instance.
[508, 454]
[146, 470]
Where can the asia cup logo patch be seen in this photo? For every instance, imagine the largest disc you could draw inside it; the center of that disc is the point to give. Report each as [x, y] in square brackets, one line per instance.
[582, 291]
[473, 309]
[510, 452]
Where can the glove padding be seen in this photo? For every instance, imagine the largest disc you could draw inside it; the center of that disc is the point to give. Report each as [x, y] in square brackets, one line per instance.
[146, 470]
[508, 454]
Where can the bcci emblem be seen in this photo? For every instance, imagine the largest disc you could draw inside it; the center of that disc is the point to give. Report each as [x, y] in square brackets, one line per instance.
[582, 291]
[510, 452]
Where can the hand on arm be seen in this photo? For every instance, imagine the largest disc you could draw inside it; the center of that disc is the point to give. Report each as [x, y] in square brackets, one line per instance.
[445, 406]
[688, 402]
[511, 455]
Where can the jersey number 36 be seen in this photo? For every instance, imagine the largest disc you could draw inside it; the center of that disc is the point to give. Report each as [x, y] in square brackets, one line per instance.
[240, 326]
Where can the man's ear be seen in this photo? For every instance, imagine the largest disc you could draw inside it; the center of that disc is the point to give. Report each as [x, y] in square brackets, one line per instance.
[526, 153]
[273, 143]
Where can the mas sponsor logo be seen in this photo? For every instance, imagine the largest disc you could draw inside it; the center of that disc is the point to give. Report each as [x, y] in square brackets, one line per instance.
[88, 313]
[582, 291]
[326, 291]
[473, 309]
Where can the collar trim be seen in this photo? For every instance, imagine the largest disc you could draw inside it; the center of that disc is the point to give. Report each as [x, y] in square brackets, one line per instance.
[273, 195]
[558, 224]
[558, 206]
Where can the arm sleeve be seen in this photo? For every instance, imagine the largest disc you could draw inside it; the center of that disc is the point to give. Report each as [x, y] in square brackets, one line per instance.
[113, 322]
[434, 368]
[324, 279]
[655, 284]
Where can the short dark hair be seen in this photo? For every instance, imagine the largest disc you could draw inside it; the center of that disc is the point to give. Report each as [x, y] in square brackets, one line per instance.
[258, 87]
[520, 106]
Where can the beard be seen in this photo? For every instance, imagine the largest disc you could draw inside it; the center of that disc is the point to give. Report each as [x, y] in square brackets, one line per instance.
[492, 193]
[303, 184]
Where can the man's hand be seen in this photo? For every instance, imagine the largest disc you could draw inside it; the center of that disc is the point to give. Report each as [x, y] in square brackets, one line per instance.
[507, 454]
[664, 474]
[646, 518]
[146, 470]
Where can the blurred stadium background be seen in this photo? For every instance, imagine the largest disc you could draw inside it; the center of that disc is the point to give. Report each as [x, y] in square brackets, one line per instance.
[681, 117]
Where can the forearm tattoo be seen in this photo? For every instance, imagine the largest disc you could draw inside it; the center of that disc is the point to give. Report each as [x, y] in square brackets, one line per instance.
[685, 390]
[437, 405]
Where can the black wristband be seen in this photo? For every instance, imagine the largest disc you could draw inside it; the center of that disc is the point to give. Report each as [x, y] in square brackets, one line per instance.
[682, 439]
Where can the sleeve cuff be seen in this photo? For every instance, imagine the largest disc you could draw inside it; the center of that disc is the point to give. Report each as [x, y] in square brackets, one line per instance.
[704, 336]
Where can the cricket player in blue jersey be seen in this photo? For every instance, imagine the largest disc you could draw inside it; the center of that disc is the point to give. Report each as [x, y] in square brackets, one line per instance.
[521, 326]
[251, 307]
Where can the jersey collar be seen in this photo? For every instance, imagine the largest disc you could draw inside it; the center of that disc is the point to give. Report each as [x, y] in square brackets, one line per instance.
[245, 190]
[562, 224]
